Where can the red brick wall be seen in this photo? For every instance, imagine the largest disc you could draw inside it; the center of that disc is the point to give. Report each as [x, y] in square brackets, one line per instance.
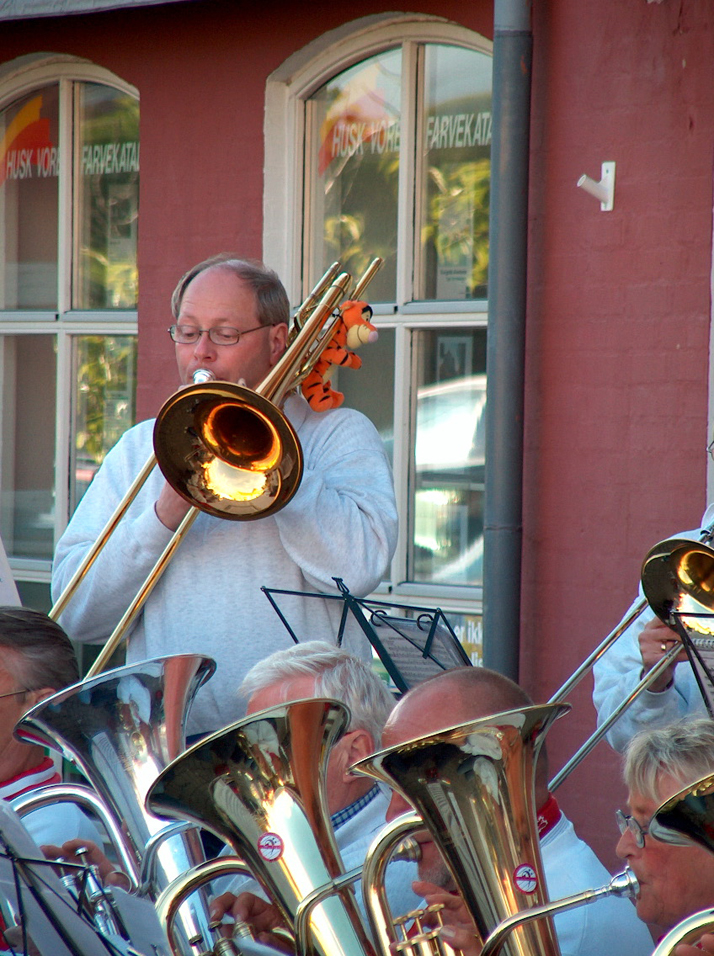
[618, 333]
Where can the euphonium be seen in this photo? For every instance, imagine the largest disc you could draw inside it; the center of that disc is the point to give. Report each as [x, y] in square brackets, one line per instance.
[120, 730]
[690, 930]
[472, 785]
[685, 819]
[259, 785]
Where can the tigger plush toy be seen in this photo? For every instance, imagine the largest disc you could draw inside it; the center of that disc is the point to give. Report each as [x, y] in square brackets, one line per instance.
[353, 330]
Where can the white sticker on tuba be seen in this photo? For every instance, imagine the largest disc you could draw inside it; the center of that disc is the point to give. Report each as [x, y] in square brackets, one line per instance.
[270, 846]
[525, 878]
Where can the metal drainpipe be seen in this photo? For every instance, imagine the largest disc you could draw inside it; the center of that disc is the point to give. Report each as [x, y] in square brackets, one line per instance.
[505, 355]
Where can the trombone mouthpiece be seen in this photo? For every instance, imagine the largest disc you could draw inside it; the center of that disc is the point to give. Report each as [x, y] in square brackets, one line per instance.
[202, 375]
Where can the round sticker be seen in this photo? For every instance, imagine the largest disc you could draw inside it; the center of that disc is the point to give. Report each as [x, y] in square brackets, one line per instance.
[525, 878]
[270, 846]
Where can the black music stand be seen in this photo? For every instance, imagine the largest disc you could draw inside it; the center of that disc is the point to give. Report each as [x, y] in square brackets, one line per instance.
[412, 643]
[700, 651]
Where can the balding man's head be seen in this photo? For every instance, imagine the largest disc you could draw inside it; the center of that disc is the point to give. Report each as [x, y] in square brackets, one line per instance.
[453, 697]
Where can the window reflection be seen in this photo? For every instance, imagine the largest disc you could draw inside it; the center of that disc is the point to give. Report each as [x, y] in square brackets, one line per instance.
[28, 445]
[107, 191]
[354, 171]
[29, 171]
[370, 389]
[456, 173]
[103, 403]
[447, 505]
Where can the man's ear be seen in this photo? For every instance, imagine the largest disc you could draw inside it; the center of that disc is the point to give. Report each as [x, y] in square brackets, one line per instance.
[278, 335]
[360, 744]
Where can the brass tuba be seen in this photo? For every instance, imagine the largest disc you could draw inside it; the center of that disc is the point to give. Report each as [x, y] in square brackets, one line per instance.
[472, 785]
[120, 730]
[259, 785]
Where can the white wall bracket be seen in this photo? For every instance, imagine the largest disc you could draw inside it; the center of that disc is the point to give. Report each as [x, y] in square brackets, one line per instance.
[605, 189]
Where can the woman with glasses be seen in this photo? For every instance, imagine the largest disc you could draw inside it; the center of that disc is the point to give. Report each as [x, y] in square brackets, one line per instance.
[672, 696]
[675, 881]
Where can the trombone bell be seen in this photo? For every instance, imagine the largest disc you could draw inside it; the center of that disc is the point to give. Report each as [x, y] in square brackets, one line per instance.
[228, 451]
[678, 578]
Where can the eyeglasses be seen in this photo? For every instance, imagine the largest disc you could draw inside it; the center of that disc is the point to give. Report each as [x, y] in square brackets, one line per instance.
[626, 822]
[219, 334]
[710, 449]
[14, 693]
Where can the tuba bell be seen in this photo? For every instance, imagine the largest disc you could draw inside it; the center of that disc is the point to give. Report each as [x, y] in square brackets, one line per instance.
[120, 730]
[259, 785]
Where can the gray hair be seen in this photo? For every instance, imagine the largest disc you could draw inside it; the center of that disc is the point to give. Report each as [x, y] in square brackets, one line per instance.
[337, 674]
[272, 300]
[683, 750]
[41, 654]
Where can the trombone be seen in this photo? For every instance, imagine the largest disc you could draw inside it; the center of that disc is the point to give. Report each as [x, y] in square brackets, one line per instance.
[226, 449]
[677, 579]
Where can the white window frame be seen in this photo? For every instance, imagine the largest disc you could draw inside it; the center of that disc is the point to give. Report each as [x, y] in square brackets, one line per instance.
[19, 78]
[287, 89]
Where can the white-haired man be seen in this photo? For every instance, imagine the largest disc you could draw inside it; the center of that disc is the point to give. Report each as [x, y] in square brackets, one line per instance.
[357, 806]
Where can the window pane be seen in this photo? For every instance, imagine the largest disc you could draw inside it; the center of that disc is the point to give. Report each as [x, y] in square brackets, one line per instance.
[454, 192]
[29, 201]
[370, 389]
[446, 520]
[103, 402]
[107, 198]
[354, 169]
[28, 445]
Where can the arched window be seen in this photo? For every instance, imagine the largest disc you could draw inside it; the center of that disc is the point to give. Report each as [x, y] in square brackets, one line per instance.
[69, 202]
[378, 143]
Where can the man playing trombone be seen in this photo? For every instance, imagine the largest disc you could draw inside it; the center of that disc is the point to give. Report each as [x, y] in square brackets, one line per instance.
[231, 319]
[674, 694]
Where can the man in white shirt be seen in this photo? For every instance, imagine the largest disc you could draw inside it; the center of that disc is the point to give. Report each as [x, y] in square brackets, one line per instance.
[673, 695]
[231, 319]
